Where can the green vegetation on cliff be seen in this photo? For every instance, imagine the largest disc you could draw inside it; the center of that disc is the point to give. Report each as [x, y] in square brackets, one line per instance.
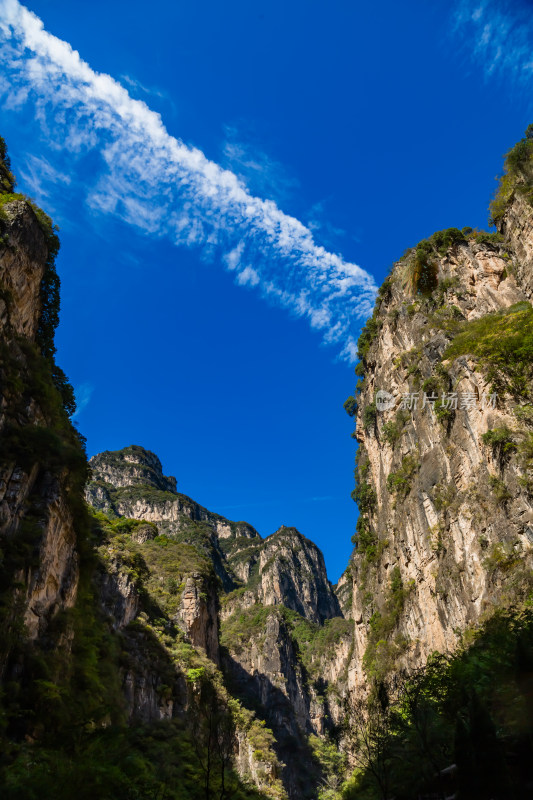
[517, 177]
[49, 296]
[472, 710]
[503, 344]
[63, 724]
[246, 627]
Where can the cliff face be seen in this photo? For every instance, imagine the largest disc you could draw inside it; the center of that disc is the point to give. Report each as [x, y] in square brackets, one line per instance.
[445, 532]
[154, 647]
[274, 642]
[287, 569]
[130, 483]
[105, 621]
[40, 564]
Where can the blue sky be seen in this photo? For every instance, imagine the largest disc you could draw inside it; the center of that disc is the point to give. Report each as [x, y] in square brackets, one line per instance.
[197, 319]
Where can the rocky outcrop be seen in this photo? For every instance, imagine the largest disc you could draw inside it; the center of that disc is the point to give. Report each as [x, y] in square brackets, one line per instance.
[285, 569]
[517, 227]
[197, 615]
[130, 483]
[282, 574]
[148, 494]
[23, 255]
[132, 466]
[446, 524]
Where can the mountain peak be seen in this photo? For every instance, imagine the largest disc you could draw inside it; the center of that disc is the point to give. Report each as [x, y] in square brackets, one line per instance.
[131, 466]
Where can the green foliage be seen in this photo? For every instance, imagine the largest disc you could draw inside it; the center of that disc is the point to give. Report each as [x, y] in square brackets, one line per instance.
[445, 240]
[486, 237]
[422, 260]
[503, 344]
[500, 439]
[143, 762]
[333, 763]
[424, 269]
[401, 481]
[499, 490]
[501, 556]
[392, 431]
[444, 495]
[382, 650]
[350, 406]
[158, 566]
[369, 416]
[364, 538]
[517, 177]
[368, 334]
[316, 642]
[195, 675]
[7, 180]
[246, 624]
[365, 496]
[525, 451]
[472, 709]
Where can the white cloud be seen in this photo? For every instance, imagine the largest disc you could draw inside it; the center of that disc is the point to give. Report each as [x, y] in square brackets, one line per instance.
[161, 186]
[248, 277]
[261, 173]
[38, 173]
[83, 394]
[499, 36]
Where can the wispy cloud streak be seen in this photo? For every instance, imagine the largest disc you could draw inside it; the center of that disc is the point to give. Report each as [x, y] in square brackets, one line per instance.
[157, 183]
[83, 394]
[499, 36]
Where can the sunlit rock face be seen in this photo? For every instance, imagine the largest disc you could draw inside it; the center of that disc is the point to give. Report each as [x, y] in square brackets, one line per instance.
[446, 526]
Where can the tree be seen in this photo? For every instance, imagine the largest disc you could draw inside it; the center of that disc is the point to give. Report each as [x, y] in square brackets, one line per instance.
[213, 734]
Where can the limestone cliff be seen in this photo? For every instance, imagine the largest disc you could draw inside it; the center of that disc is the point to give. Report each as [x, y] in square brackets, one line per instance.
[276, 649]
[42, 460]
[130, 483]
[287, 569]
[445, 532]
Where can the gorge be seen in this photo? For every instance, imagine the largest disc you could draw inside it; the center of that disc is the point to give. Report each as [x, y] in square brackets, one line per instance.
[150, 647]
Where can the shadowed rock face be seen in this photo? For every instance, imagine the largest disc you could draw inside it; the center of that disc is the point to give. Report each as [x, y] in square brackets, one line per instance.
[32, 494]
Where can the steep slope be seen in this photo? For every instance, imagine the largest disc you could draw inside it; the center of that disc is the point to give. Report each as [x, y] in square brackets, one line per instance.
[444, 484]
[109, 635]
[445, 515]
[42, 463]
[285, 568]
[130, 483]
[275, 648]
